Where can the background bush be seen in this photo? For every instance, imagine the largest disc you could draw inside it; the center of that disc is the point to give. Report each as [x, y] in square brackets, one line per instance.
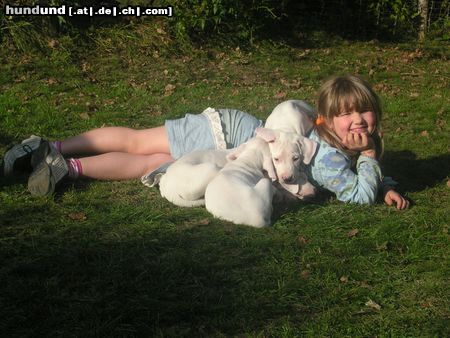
[245, 21]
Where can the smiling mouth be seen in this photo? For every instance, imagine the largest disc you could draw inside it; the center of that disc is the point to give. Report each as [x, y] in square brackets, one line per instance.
[360, 130]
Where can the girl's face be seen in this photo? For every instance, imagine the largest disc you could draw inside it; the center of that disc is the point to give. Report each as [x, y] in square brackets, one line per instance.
[353, 122]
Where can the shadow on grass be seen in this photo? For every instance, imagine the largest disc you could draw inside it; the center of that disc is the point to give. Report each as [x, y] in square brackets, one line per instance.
[7, 139]
[175, 283]
[415, 174]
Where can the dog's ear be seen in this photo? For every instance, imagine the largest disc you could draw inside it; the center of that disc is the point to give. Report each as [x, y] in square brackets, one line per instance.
[269, 167]
[268, 135]
[235, 152]
[308, 148]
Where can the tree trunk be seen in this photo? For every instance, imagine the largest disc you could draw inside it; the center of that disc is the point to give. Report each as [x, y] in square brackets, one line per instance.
[423, 12]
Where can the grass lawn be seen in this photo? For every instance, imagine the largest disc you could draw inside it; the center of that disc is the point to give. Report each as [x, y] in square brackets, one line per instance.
[115, 259]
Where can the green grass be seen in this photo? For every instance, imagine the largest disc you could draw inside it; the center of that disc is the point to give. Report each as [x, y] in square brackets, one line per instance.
[115, 259]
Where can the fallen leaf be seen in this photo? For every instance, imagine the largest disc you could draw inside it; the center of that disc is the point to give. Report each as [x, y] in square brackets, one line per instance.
[414, 94]
[51, 81]
[77, 216]
[280, 95]
[352, 233]
[195, 222]
[204, 221]
[84, 116]
[169, 89]
[344, 279]
[85, 67]
[305, 274]
[370, 303]
[364, 284]
[52, 43]
[302, 240]
[424, 133]
[383, 246]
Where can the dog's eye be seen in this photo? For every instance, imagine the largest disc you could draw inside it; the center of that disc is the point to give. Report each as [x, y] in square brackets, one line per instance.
[276, 159]
[295, 158]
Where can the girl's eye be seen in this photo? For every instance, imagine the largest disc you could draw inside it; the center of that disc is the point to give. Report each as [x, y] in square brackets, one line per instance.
[295, 158]
[276, 159]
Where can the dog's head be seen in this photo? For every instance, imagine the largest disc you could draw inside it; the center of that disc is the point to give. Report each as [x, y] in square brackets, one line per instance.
[259, 146]
[289, 151]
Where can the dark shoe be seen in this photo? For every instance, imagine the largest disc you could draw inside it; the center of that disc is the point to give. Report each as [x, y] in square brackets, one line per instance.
[18, 157]
[50, 168]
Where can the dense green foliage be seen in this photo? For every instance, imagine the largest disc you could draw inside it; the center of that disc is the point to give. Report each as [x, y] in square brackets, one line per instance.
[247, 21]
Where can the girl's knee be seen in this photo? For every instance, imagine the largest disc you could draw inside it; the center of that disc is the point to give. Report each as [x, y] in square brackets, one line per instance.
[149, 141]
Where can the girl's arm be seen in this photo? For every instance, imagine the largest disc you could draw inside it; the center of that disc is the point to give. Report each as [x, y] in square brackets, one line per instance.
[332, 170]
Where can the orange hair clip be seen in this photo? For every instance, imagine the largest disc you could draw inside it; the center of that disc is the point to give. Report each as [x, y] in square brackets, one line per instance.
[320, 120]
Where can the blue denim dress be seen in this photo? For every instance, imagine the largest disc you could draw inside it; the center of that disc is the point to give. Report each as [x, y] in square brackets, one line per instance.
[212, 129]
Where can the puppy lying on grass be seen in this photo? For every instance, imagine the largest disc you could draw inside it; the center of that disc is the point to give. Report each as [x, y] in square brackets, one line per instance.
[242, 191]
[185, 181]
[293, 117]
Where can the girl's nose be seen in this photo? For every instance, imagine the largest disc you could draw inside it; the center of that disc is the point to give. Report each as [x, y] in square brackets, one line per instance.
[356, 117]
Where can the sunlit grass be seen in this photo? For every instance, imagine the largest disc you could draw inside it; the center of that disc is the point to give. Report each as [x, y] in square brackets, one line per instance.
[115, 259]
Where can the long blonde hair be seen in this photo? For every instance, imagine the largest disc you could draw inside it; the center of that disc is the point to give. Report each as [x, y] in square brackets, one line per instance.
[345, 93]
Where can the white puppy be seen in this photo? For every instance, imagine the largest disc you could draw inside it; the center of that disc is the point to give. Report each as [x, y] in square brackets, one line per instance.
[185, 181]
[293, 116]
[290, 152]
[241, 192]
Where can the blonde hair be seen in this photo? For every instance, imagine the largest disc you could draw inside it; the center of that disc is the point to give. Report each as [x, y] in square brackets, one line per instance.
[345, 93]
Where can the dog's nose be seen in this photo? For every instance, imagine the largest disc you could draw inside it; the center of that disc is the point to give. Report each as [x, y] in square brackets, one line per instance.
[287, 178]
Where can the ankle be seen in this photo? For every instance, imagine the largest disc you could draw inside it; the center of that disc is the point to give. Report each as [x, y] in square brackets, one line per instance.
[75, 168]
[56, 145]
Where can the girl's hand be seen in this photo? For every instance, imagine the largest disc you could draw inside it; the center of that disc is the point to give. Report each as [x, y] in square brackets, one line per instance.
[358, 142]
[391, 197]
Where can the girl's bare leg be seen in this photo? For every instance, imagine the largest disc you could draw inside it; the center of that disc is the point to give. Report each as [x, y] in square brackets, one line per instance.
[118, 139]
[121, 166]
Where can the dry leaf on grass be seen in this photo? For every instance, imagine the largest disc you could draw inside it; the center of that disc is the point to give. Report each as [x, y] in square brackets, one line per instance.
[302, 240]
[77, 216]
[51, 81]
[305, 274]
[169, 89]
[280, 95]
[344, 279]
[371, 304]
[352, 233]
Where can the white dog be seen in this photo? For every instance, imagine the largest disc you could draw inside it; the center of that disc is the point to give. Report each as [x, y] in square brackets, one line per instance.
[185, 181]
[241, 192]
[292, 117]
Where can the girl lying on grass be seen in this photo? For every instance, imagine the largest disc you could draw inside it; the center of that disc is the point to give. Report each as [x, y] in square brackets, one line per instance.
[346, 163]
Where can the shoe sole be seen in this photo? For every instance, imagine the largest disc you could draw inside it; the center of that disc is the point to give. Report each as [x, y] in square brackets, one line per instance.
[48, 172]
[40, 154]
[18, 157]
